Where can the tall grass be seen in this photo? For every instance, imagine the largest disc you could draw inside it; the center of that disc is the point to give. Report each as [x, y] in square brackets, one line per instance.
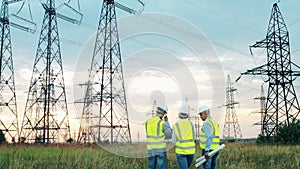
[234, 156]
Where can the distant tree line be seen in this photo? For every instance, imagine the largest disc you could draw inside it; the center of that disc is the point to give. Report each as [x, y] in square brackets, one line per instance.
[286, 135]
[2, 137]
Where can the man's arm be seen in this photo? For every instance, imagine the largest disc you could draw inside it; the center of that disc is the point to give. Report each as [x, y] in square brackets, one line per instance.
[194, 131]
[174, 138]
[167, 130]
[208, 130]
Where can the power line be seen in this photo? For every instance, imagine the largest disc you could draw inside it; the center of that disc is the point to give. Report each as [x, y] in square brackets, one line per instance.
[293, 23]
[196, 5]
[194, 35]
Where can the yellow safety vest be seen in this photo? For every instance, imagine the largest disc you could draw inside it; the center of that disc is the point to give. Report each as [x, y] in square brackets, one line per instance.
[154, 133]
[216, 135]
[185, 137]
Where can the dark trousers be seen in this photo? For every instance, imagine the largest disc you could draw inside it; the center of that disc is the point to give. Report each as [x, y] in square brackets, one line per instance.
[185, 160]
[211, 163]
[157, 159]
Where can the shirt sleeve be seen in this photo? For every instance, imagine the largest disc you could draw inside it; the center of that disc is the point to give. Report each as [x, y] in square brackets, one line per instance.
[174, 138]
[167, 130]
[208, 130]
[194, 131]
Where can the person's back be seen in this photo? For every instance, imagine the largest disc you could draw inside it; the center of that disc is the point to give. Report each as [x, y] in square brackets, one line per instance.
[184, 136]
[155, 136]
[157, 129]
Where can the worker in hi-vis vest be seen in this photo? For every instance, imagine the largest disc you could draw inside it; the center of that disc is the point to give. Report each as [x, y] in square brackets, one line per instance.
[157, 130]
[184, 137]
[209, 137]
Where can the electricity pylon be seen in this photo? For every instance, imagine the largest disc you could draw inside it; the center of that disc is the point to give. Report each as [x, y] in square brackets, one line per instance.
[153, 110]
[8, 104]
[232, 128]
[194, 117]
[262, 99]
[105, 115]
[282, 106]
[46, 114]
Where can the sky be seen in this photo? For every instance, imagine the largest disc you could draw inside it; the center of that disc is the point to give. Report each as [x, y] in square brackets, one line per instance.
[173, 50]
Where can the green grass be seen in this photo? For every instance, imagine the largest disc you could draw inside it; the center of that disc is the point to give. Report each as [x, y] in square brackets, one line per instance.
[234, 156]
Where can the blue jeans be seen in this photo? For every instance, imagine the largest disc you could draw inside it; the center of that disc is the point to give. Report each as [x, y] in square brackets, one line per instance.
[185, 160]
[158, 159]
[211, 163]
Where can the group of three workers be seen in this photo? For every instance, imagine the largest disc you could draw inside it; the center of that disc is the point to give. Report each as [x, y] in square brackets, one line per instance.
[183, 135]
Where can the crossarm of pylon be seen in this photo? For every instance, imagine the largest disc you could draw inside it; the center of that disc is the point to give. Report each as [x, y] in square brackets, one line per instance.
[20, 22]
[12, 1]
[65, 17]
[261, 111]
[125, 8]
[260, 44]
[231, 104]
[24, 28]
[76, 21]
[261, 70]
[130, 10]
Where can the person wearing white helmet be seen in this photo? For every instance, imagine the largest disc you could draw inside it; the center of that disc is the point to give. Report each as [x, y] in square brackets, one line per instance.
[209, 137]
[157, 130]
[184, 137]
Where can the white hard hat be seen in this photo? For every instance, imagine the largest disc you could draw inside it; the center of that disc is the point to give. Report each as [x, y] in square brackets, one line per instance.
[184, 109]
[162, 109]
[203, 109]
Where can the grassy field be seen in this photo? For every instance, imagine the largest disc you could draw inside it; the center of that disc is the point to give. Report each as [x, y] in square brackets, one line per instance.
[234, 156]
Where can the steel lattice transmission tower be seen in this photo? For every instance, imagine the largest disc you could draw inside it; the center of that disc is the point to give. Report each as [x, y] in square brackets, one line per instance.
[232, 128]
[262, 98]
[46, 114]
[153, 110]
[194, 117]
[8, 105]
[105, 116]
[282, 106]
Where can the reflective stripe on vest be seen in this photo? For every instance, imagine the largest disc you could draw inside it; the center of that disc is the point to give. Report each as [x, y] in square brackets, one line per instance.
[216, 135]
[154, 133]
[185, 137]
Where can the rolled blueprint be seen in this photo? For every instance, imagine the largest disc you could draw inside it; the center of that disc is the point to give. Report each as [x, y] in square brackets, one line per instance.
[201, 160]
